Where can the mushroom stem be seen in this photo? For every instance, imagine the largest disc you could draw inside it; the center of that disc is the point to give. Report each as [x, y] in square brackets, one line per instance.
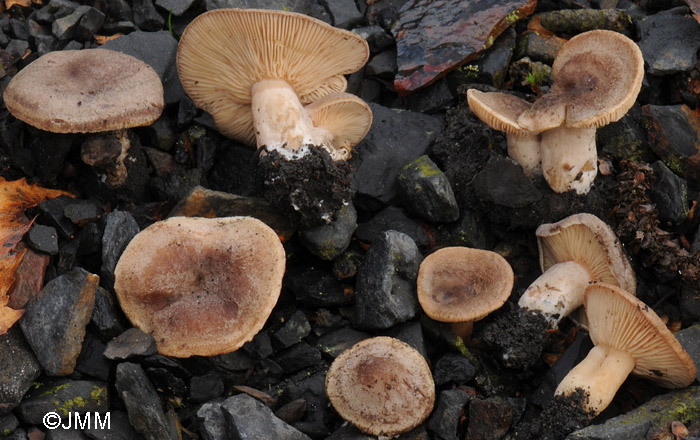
[525, 150]
[569, 159]
[557, 292]
[281, 123]
[600, 375]
[463, 330]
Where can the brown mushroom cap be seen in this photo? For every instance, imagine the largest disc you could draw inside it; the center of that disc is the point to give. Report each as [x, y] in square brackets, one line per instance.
[597, 77]
[619, 320]
[587, 240]
[382, 386]
[85, 91]
[498, 110]
[460, 284]
[224, 52]
[201, 286]
[346, 116]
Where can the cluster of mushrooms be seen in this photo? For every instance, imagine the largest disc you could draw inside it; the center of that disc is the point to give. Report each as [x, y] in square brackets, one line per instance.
[263, 89]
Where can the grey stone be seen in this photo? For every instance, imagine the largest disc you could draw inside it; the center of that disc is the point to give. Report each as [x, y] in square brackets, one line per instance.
[89, 24]
[177, 7]
[297, 357]
[62, 396]
[385, 293]
[132, 342]
[392, 218]
[316, 287]
[213, 423]
[54, 321]
[489, 418]
[300, 6]
[18, 369]
[453, 368]
[410, 332]
[249, 418]
[502, 182]
[8, 423]
[120, 228]
[493, 67]
[294, 329]
[91, 362]
[17, 49]
[207, 387]
[142, 403]
[376, 37]
[120, 10]
[43, 239]
[146, 16]
[676, 405]
[396, 138]
[106, 319]
[670, 194]
[469, 230]
[64, 28]
[444, 420]
[690, 340]
[343, 12]
[669, 43]
[382, 65]
[349, 432]
[433, 99]
[19, 29]
[689, 303]
[337, 341]
[329, 241]
[120, 428]
[425, 191]
[158, 50]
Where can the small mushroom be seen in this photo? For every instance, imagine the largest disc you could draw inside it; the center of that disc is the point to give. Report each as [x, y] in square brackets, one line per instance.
[461, 285]
[500, 111]
[89, 91]
[201, 286]
[574, 252]
[629, 338]
[597, 77]
[382, 386]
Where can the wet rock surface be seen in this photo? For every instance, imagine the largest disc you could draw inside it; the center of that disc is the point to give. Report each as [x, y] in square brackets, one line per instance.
[354, 277]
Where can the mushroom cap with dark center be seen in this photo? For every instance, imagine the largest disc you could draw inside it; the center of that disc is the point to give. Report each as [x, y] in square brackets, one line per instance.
[85, 91]
[201, 286]
[382, 386]
[499, 110]
[224, 52]
[597, 77]
[619, 320]
[587, 240]
[460, 284]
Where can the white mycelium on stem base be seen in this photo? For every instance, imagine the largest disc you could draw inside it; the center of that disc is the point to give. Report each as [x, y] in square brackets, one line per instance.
[573, 253]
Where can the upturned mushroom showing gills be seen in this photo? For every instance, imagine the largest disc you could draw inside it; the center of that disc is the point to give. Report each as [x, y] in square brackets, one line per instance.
[574, 252]
[382, 386]
[629, 338]
[255, 71]
[597, 77]
[201, 286]
[461, 285]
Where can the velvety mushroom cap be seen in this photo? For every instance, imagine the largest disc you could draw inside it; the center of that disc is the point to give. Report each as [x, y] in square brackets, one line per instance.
[460, 284]
[619, 320]
[382, 386]
[346, 116]
[587, 240]
[201, 286]
[597, 77]
[224, 52]
[498, 110]
[84, 91]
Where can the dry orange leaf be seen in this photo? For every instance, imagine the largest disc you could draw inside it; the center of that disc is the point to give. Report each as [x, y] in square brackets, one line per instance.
[23, 3]
[102, 39]
[15, 198]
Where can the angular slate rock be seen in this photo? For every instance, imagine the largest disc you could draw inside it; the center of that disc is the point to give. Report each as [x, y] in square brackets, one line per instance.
[434, 37]
[120, 428]
[132, 342]
[8, 423]
[52, 212]
[158, 50]
[300, 6]
[207, 387]
[249, 418]
[469, 230]
[383, 65]
[294, 329]
[453, 368]
[396, 138]
[669, 43]
[54, 321]
[64, 28]
[376, 37]
[297, 357]
[106, 320]
[385, 293]
[64, 397]
[19, 368]
[120, 228]
[674, 135]
[690, 340]
[344, 13]
[670, 194]
[410, 332]
[425, 191]
[392, 218]
[91, 362]
[43, 239]
[502, 182]
[329, 241]
[146, 16]
[337, 341]
[445, 419]
[213, 424]
[489, 418]
[493, 67]
[142, 403]
[177, 7]
[29, 277]
[316, 287]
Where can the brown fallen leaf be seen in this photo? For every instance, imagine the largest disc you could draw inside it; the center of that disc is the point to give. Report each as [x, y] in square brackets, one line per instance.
[102, 39]
[15, 198]
[23, 3]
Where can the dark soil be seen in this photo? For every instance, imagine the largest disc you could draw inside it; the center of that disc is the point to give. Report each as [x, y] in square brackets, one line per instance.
[563, 416]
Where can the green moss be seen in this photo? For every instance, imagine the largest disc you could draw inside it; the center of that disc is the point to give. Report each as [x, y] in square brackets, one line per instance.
[424, 167]
[55, 389]
[7, 431]
[512, 18]
[97, 393]
[675, 163]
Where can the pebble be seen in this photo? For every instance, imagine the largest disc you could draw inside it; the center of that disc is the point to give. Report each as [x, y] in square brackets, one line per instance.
[301, 6]
[445, 418]
[54, 321]
[425, 191]
[382, 65]
[345, 14]
[29, 278]
[260, 347]
[213, 425]
[231, 362]
[142, 403]
[493, 67]
[376, 37]
[106, 320]
[295, 328]
[689, 338]
[497, 410]
[246, 417]
[297, 357]
[436, 98]
[19, 368]
[52, 213]
[410, 332]
[63, 397]
[91, 362]
[176, 7]
[538, 47]
[503, 182]
[329, 241]
[669, 42]
[206, 387]
[385, 292]
[392, 218]
[82, 212]
[120, 428]
[395, 139]
[670, 194]
[470, 230]
[335, 342]
[316, 287]
[167, 383]
[8, 423]
[132, 342]
[146, 16]
[576, 21]
[453, 368]
[625, 138]
[120, 228]
[43, 239]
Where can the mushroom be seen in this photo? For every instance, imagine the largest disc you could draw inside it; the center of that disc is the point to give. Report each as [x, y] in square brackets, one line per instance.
[255, 86]
[500, 111]
[382, 386]
[597, 77]
[89, 91]
[629, 338]
[461, 285]
[200, 286]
